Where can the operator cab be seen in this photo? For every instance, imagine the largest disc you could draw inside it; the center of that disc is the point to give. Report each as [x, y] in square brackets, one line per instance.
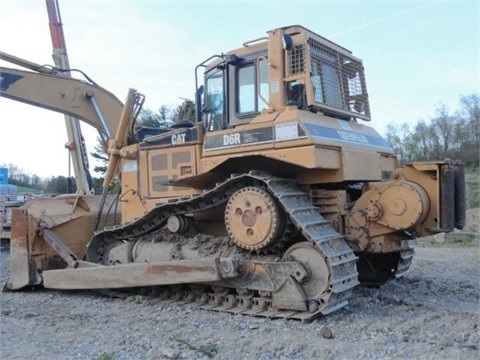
[292, 66]
[236, 91]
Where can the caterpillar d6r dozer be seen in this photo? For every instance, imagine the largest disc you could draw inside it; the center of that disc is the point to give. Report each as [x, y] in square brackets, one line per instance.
[276, 200]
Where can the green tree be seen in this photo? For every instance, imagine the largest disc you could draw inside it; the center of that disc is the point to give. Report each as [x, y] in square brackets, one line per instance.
[422, 140]
[100, 154]
[161, 119]
[397, 137]
[36, 182]
[443, 126]
[470, 112]
[59, 185]
[448, 135]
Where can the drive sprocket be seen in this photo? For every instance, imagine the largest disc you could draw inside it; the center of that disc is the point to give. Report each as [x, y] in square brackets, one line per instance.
[253, 219]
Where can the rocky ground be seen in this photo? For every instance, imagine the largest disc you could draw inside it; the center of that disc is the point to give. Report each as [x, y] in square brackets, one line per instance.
[431, 313]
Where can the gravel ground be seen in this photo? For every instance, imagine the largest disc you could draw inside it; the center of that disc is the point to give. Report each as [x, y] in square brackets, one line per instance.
[431, 313]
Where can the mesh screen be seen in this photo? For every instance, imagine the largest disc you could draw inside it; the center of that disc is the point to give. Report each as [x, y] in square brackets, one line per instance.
[296, 60]
[338, 80]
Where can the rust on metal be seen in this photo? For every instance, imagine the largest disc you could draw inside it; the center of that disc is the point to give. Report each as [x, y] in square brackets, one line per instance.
[179, 269]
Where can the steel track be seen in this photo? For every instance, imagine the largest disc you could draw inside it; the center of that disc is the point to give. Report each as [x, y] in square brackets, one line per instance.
[339, 257]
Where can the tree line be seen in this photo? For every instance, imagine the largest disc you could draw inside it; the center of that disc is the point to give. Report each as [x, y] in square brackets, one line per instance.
[448, 135]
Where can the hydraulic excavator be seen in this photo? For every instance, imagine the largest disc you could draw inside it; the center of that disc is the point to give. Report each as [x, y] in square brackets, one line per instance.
[76, 142]
[76, 146]
[277, 200]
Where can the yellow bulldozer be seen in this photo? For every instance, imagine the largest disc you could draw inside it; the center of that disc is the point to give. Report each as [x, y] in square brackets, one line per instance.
[276, 200]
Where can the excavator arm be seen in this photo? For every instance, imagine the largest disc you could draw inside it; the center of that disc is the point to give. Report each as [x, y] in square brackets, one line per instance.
[88, 102]
[38, 226]
[76, 143]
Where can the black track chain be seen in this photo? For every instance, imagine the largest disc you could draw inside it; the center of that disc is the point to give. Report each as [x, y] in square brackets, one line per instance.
[405, 261]
[339, 257]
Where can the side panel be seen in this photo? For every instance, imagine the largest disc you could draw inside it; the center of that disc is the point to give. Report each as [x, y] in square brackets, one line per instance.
[361, 165]
[157, 161]
[145, 183]
[130, 198]
[170, 164]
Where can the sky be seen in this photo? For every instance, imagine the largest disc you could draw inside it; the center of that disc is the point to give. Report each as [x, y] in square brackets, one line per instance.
[416, 54]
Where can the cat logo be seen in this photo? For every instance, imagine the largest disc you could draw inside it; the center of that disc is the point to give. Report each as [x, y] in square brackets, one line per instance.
[178, 139]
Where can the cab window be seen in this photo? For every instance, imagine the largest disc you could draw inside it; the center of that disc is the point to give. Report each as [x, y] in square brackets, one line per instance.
[252, 87]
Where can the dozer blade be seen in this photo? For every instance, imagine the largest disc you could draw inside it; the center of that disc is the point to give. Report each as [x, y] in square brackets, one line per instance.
[50, 233]
[19, 260]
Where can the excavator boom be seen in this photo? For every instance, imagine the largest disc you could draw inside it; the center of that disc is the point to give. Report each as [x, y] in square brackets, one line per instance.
[69, 96]
[76, 144]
